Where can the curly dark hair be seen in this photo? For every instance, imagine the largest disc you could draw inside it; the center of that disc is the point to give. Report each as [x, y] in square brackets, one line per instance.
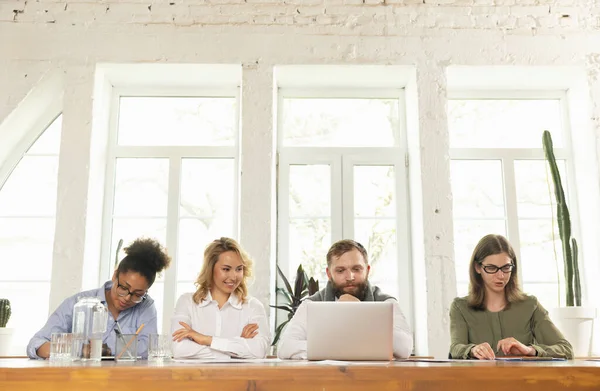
[145, 256]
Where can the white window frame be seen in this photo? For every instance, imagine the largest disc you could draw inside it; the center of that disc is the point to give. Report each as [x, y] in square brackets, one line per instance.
[508, 156]
[342, 161]
[175, 154]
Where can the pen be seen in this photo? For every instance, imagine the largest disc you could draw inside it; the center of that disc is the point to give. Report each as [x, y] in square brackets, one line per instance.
[131, 340]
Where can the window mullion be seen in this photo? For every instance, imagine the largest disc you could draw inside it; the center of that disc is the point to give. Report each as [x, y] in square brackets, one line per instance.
[347, 197]
[283, 214]
[512, 216]
[338, 184]
[170, 285]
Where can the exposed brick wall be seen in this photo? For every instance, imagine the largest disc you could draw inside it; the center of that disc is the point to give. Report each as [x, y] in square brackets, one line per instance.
[380, 17]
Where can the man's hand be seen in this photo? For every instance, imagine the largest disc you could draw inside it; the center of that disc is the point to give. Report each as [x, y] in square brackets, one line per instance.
[250, 331]
[347, 297]
[512, 347]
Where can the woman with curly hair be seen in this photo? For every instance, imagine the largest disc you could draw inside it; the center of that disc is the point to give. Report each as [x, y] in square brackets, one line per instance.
[220, 320]
[125, 296]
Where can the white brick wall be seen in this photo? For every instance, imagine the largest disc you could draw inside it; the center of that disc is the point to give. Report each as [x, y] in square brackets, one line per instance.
[36, 36]
[452, 14]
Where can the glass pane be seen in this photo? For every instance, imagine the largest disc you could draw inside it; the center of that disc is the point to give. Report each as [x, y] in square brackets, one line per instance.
[131, 229]
[31, 188]
[177, 121]
[310, 191]
[374, 191]
[547, 293]
[380, 240]
[466, 235]
[157, 293]
[141, 187]
[194, 236]
[29, 303]
[26, 247]
[185, 287]
[328, 122]
[49, 141]
[309, 241]
[535, 188]
[496, 123]
[207, 189]
[538, 251]
[477, 188]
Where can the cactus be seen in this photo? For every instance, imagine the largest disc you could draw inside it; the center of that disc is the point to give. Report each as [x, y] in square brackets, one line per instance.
[4, 312]
[569, 244]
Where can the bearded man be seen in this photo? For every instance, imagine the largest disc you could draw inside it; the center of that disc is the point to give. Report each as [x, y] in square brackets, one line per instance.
[348, 273]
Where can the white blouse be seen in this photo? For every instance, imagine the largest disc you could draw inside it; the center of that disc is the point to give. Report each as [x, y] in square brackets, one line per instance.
[224, 325]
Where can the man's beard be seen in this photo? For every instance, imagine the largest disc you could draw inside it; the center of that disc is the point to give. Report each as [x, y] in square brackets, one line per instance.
[360, 290]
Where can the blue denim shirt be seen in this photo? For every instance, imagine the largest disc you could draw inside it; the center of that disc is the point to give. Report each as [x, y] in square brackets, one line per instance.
[61, 321]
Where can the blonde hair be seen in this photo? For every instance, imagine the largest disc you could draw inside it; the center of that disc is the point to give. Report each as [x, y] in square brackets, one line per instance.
[491, 245]
[211, 257]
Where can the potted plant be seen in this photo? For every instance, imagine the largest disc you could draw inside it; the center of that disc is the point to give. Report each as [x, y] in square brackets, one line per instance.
[5, 333]
[303, 287]
[575, 322]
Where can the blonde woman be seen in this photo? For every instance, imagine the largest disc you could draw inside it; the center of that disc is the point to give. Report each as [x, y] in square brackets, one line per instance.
[496, 318]
[220, 320]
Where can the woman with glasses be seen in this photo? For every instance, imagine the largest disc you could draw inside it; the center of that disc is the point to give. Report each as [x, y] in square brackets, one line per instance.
[220, 320]
[497, 318]
[125, 296]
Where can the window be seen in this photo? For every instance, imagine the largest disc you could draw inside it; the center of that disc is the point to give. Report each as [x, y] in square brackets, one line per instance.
[172, 176]
[500, 183]
[342, 175]
[27, 219]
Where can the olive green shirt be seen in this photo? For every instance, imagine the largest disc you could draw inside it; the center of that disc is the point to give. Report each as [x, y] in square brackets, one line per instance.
[526, 321]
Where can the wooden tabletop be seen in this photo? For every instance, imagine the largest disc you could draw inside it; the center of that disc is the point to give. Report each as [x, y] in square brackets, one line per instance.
[24, 374]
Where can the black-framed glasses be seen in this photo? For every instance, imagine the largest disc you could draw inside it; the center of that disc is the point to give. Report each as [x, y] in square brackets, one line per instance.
[493, 269]
[123, 291]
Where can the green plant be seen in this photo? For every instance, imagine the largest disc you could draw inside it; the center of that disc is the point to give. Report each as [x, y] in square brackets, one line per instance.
[303, 287]
[4, 312]
[569, 244]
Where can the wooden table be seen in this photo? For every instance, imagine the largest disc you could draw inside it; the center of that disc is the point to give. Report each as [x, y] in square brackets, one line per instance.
[24, 374]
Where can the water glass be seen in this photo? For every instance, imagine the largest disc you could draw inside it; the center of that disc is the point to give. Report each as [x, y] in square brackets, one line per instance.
[159, 347]
[126, 347]
[60, 347]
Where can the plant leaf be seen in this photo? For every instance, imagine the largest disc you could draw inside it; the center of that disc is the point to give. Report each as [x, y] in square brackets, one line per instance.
[278, 332]
[285, 281]
[313, 286]
[299, 284]
[283, 307]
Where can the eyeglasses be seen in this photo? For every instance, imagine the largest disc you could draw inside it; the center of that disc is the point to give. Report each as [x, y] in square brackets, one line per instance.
[122, 291]
[493, 269]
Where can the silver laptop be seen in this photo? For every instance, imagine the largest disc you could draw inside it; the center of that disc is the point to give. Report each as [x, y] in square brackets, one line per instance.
[349, 330]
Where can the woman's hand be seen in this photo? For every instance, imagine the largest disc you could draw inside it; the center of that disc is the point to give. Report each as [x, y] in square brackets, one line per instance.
[512, 347]
[483, 351]
[250, 330]
[189, 333]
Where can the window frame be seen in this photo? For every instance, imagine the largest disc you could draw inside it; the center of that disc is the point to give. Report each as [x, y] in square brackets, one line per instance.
[507, 158]
[175, 155]
[342, 160]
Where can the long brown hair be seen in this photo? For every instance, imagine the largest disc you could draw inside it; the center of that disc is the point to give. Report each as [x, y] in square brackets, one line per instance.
[492, 245]
[211, 256]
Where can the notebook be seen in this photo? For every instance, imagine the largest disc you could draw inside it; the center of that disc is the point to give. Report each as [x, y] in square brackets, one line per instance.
[350, 330]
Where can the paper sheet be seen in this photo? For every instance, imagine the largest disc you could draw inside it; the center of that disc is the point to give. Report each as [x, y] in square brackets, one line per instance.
[226, 361]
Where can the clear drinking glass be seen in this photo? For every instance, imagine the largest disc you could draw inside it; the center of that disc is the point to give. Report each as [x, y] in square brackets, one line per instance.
[159, 347]
[126, 347]
[60, 347]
